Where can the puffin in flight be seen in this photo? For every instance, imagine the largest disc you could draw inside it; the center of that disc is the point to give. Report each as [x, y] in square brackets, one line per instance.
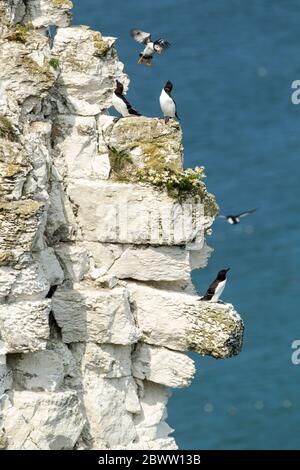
[167, 104]
[216, 288]
[150, 46]
[121, 104]
[235, 219]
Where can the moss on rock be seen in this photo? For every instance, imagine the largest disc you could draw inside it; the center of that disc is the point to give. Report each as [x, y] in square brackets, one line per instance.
[150, 142]
[3, 440]
[6, 257]
[63, 4]
[6, 129]
[101, 46]
[226, 325]
[24, 208]
[20, 33]
[121, 165]
[54, 62]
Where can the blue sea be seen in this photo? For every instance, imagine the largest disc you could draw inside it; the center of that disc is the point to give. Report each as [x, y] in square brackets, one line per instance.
[232, 64]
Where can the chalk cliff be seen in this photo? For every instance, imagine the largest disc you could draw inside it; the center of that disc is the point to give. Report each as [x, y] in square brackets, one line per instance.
[100, 228]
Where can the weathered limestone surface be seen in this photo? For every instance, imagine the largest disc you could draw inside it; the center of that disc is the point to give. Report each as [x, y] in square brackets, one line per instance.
[24, 325]
[146, 142]
[163, 366]
[185, 323]
[37, 420]
[128, 213]
[97, 306]
[96, 315]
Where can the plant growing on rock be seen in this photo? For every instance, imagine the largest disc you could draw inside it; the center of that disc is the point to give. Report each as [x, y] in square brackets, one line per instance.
[6, 129]
[177, 184]
[54, 62]
[20, 33]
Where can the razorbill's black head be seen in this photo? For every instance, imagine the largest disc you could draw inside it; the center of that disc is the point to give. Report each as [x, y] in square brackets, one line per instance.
[167, 103]
[216, 288]
[119, 88]
[235, 219]
[150, 46]
[168, 87]
[222, 274]
[120, 103]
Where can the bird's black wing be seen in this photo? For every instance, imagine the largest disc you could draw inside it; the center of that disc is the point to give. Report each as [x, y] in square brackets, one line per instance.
[243, 214]
[131, 110]
[162, 43]
[210, 291]
[176, 111]
[140, 36]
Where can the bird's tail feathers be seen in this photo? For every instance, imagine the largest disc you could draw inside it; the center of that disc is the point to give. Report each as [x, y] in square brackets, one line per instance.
[134, 112]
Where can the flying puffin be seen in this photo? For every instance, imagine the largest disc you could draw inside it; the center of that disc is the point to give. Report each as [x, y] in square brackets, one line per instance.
[167, 104]
[150, 46]
[121, 104]
[216, 288]
[235, 219]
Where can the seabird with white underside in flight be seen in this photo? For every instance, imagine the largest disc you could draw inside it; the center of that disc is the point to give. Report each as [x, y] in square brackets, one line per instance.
[167, 103]
[121, 104]
[150, 46]
[216, 288]
[235, 219]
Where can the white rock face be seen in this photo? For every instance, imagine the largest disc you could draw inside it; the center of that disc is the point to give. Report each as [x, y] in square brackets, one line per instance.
[42, 370]
[97, 305]
[92, 315]
[74, 259]
[37, 420]
[150, 424]
[5, 373]
[87, 73]
[153, 264]
[110, 405]
[45, 13]
[107, 360]
[163, 366]
[24, 326]
[127, 213]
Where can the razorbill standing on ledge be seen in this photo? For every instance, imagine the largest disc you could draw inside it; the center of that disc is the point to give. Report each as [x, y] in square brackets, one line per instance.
[167, 104]
[235, 219]
[121, 104]
[150, 46]
[216, 288]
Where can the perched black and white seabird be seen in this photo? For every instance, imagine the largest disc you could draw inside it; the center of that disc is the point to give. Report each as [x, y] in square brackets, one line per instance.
[235, 219]
[167, 104]
[121, 104]
[216, 288]
[150, 46]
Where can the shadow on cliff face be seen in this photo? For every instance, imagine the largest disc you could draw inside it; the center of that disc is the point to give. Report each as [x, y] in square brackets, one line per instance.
[68, 323]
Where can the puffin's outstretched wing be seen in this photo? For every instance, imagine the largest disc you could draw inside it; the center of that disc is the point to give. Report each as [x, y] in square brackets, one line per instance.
[140, 36]
[243, 214]
[162, 44]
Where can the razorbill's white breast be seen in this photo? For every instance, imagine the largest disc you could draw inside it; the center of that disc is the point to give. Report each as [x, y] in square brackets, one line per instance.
[216, 288]
[167, 103]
